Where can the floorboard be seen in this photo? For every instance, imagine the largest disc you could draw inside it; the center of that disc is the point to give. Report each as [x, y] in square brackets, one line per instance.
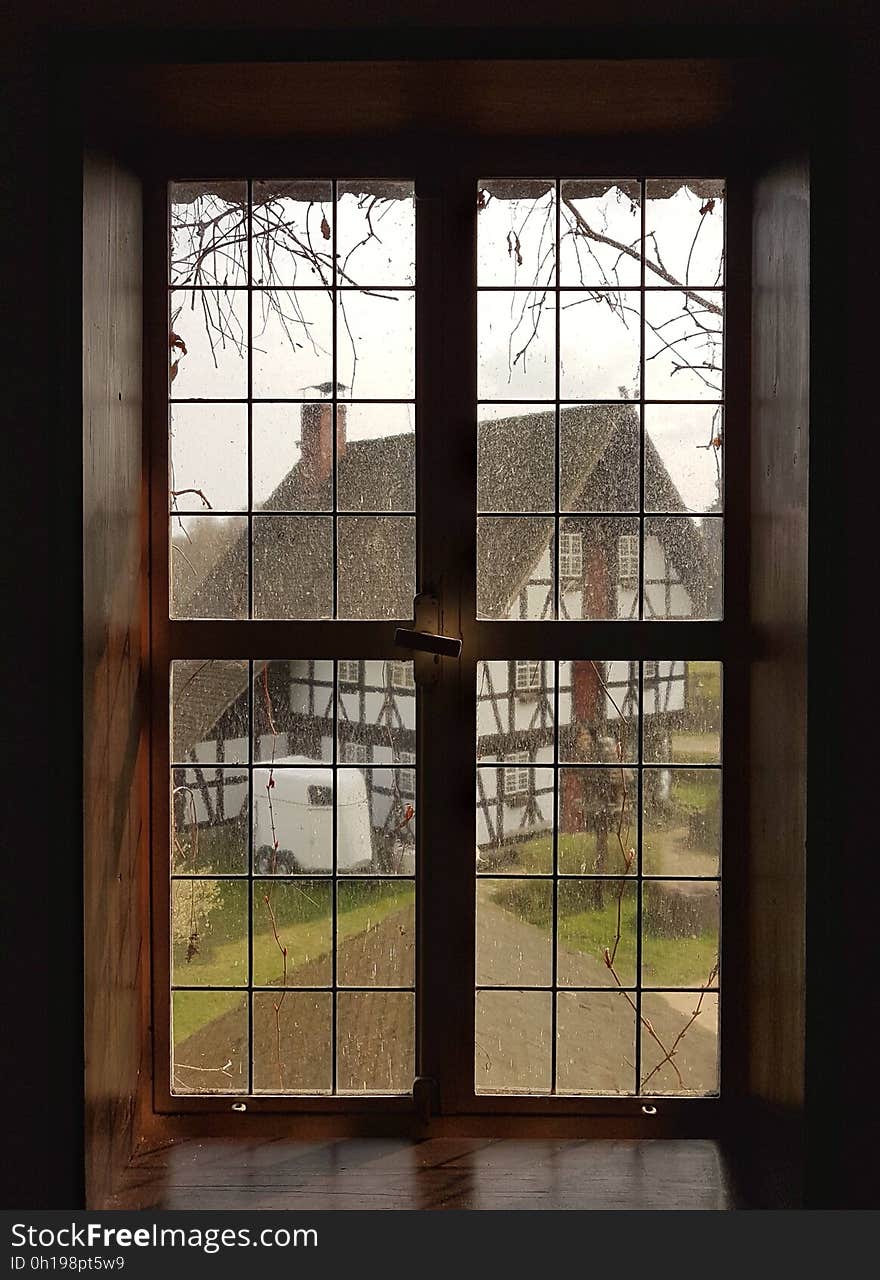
[437, 1173]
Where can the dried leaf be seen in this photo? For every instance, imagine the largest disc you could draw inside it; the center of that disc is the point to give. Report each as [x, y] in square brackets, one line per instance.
[707, 207]
[325, 228]
[174, 340]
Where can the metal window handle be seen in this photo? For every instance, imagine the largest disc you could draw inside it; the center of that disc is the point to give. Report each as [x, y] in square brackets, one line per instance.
[426, 642]
[424, 639]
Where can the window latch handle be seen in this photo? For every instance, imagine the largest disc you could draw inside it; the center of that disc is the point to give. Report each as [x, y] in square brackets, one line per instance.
[427, 642]
[424, 640]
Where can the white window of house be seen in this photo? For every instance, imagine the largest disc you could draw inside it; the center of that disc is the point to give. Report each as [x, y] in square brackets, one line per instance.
[528, 676]
[357, 753]
[349, 672]
[407, 777]
[571, 555]
[516, 781]
[628, 557]
[402, 675]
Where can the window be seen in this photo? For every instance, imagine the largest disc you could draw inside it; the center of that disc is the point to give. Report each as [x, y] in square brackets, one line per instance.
[592, 925]
[516, 781]
[628, 558]
[407, 777]
[571, 555]
[402, 675]
[528, 676]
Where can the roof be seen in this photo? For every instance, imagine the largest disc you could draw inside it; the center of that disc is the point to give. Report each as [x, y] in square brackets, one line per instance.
[378, 475]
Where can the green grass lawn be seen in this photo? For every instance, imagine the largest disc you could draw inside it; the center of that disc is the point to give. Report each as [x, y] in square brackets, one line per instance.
[302, 912]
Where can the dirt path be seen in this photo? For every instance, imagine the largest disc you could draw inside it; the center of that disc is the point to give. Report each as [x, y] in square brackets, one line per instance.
[375, 1030]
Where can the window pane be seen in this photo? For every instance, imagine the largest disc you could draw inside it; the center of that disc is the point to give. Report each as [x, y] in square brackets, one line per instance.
[209, 1042]
[375, 1041]
[291, 230]
[319, 325]
[630, 406]
[516, 232]
[595, 1045]
[515, 568]
[293, 871]
[208, 233]
[293, 1034]
[376, 235]
[597, 882]
[683, 567]
[209, 568]
[516, 460]
[514, 1033]
[601, 232]
[208, 457]
[685, 229]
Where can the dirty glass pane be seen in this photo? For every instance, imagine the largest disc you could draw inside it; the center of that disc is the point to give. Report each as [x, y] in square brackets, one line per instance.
[516, 345]
[598, 712]
[595, 1042]
[599, 457]
[292, 457]
[376, 830]
[209, 1037]
[293, 820]
[376, 722]
[208, 457]
[681, 822]
[516, 458]
[376, 233]
[514, 932]
[376, 468]
[208, 344]
[291, 230]
[683, 345]
[209, 567]
[375, 933]
[209, 712]
[596, 558]
[515, 710]
[514, 1033]
[597, 823]
[684, 226]
[596, 930]
[694, 1069]
[376, 566]
[515, 818]
[680, 922]
[375, 335]
[687, 699]
[293, 567]
[375, 1041]
[683, 567]
[600, 232]
[293, 711]
[292, 343]
[209, 933]
[599, 345]
[683, 457]
[301, 1024]
[292, 933]
[515, 568]
[209, 820]
[516, 232]
[208, 233]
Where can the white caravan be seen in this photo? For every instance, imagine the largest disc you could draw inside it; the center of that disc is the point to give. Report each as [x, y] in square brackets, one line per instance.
[300, 805]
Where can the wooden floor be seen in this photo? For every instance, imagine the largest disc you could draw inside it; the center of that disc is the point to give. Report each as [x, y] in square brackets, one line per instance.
[437, 1173]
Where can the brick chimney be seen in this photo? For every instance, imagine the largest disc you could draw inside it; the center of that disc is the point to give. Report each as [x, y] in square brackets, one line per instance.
[317, 441]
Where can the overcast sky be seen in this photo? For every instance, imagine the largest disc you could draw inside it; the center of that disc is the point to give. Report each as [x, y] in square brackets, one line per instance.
[599, 344]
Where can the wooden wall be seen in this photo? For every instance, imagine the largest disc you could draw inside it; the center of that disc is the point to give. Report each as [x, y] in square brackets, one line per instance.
[778, 689]
[115, 819]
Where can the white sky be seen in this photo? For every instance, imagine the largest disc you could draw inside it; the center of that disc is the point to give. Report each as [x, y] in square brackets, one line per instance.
[599, 349]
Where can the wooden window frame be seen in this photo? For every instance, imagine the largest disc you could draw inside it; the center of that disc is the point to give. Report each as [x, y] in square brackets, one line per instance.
[446, 186]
